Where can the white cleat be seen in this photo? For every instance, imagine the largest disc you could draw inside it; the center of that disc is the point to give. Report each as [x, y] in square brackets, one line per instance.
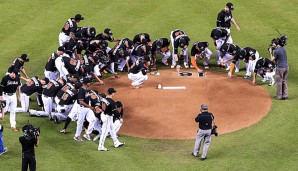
[120, 144]
[186, 65]
[96, 137]
[103, 149]
[237, 69]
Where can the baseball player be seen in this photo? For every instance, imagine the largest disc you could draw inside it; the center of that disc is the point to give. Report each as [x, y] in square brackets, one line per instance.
[228, 52]
[110, 109]
[250, 56]
[161, 46]
[51, 71]
[220, 36]
[2, 148]
[138, 72]
[8, 87]
[48, 95]
[265, 68]
[85, 111]
[118, 120]
[33, 85]
[88, 68]
[179, 39]
[18, 64]
[69, 29]
[225, 18]
[65, 103]
[200, 50]
[137, 40]
[141, 50]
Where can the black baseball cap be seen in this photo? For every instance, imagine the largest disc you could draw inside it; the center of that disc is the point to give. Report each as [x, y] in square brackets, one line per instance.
[94, 92]
[111, 91]
[25, 57]
[86, 80]
[230, 6]
[79, 17]
[158, 46]
[46, 80]
[216, 34]
[242, 54]
[92, 32]
[61, 48]
[108, 31]
[204, 107]
[15, 71]
[102, 95]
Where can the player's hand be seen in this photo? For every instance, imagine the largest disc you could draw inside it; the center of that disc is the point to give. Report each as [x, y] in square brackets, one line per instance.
[254, 82]
[101, 82]
[176, 57]
[238, 28]
[121, 120]
[199, 70]
[229, 74]
[92, 108]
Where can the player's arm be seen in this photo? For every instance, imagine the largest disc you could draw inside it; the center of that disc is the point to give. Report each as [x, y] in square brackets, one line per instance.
[85, 104]
[218, 22]
[98, 79]
[235, 24]
[19, 92]
[24, 72]
[272, 57]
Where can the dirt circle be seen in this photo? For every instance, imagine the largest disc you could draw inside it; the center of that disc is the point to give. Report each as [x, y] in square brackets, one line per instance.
[169, 114]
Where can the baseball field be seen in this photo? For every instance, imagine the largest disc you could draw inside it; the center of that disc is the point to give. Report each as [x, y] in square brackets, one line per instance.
[33, 27]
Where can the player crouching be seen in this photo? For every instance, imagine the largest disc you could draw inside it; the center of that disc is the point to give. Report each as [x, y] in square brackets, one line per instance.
[138, 72]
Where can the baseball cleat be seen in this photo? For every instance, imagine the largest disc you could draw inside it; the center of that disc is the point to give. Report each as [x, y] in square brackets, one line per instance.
[62, 131]
[55, 118]
[78, 138]
[173, 65]
[15, 129]
[103, 149]
[204, 158]
[194, 155]
[246, 77]
[4, 151]
[186, 65]
[96, 137]
[120, 144]
[271, 82]
[165, 63]
[87, 137]
[264, 80]
[206, 66]
[237, 69]
[228, 68]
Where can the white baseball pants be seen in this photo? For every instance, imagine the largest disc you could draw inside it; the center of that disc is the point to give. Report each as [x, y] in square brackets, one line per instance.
[11, 105]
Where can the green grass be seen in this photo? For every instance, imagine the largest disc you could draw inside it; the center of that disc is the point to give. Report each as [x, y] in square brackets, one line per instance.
[32, 27]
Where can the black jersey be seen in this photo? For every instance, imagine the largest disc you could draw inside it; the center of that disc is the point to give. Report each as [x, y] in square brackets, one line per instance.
[230, 49]
[101, 37]
[137, 38]
[138, 67]
[205, 120]
[177, 42]
[248, 52]
[94, 102]
[72, 65]
[224, 19]
[219, 33]
[68, 97]
[265, 63]
[125, 44]
[9, 85]
[52, 88]
[198, 48]
[32, 86]
[86, 33]
[109, 107]
[87, 65]
[16, 64]
[119, 53]
[83, 94]
[27, 144]
[159, 44]
[140, 50]
[70, 46]
[50, 66]
[67, 86]
[70, 26]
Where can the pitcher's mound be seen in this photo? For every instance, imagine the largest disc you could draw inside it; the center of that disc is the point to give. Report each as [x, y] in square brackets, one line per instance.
[169, 114]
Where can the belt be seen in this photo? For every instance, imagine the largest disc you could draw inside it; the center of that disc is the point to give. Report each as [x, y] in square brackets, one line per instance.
[9, 94]
[47, 96]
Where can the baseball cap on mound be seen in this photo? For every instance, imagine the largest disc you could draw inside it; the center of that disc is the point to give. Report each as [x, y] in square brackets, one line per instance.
[61, 48]
[111, 91]
[108, 31]
[79, 17]
[230, 6]
[204, 107]
[25, 57]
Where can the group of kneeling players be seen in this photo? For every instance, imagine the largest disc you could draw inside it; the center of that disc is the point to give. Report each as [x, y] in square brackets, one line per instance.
[84, 56]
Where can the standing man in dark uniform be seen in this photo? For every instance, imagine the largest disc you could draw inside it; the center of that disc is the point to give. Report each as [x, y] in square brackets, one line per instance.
[51, 71]
[18, 65]
[204, 119]
[8, 87]
[225, 18]
[279, 54]
[69, 29]
[110, 110]
[28, 141]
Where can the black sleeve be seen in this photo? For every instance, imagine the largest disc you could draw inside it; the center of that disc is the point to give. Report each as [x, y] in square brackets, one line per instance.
[193, 50]
[2, 85]
[187, 39]
[176, 44]
[81, 95]
[258, 65]
[218, 22]
[197, 119]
